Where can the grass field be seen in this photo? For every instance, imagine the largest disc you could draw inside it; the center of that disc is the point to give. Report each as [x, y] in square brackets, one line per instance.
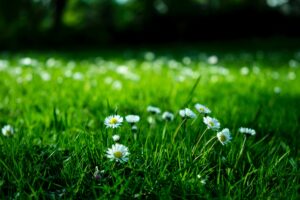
[57, 104]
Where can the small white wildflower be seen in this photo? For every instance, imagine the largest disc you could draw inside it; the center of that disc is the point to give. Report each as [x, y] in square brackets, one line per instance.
[149, 56]
[7, 130]
[168, 116]
[277, 90]
[132, 119]
[187, 60]
[187, 113]
[77, 76]
[293, 63]
[291, 75]
[212, 60]
[45, 76]
[153, 110]
[117, 85]
[134, 128]
[212, 123]
[256, 70]
[244, 71]
[116, 138]
[26, 61]
[224, 136]
[247, 131]
[113, 121]
[118, 153]
[202, 109]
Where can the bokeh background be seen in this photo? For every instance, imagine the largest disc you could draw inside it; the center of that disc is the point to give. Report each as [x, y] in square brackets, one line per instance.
[65, 23]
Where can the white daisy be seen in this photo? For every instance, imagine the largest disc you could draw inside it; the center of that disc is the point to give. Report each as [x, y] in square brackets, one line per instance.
[247, 131]
[212, 60]
[134, 128]
[118, 152]
[187, 113]
[132, 119]
[212, 123]
[153, 110]
[116, 138]
[202, 109]
[168, 116]
[7, 130]
[113, 121]
[224, 136]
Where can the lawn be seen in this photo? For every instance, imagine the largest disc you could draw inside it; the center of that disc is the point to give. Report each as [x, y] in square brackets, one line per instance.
[57, 102]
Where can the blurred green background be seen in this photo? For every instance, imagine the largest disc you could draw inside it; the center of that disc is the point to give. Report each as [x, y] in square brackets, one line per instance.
[93, 22]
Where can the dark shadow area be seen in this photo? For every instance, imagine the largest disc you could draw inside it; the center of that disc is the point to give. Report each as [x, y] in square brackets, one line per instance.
[103, 23]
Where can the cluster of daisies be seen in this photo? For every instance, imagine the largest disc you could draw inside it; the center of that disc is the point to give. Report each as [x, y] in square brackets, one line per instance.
[120, 153]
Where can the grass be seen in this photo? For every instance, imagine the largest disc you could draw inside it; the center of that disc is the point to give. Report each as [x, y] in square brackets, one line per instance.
[57, 103]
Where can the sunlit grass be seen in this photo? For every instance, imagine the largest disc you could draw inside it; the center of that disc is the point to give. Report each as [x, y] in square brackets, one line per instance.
[57, 104]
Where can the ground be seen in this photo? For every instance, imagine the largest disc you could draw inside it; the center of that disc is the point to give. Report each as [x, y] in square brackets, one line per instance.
[57, 102]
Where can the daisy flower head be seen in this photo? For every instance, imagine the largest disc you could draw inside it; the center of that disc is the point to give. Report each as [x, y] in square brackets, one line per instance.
[118, 153]
[7, 130]
[134, 128]
[168, 116]
[212, 59]
[202, 109]
[224, 136]
[116, 138]
[247, 131]
[132, 119]
[153, 110]
[113, 121]
[212, 123]
[187, 113]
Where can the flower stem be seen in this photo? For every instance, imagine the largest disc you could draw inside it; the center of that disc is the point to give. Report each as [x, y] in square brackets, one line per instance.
[177, 129]
[241, 152]
[196, 145]
[164, 131]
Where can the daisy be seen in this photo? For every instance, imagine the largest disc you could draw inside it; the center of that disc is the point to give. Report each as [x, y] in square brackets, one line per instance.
[212, 60]
[116, 138]
[132, 119]
[168, 116]
[113, 121]
[212, 123]
[224, 136]
[187, 113]
[153, 110]
[202, 109]
[118, 152]
[247, 131]
[134, 128]
[7, 130]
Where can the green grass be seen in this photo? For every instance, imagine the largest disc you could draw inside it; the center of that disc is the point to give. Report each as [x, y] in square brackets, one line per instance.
[57, 103]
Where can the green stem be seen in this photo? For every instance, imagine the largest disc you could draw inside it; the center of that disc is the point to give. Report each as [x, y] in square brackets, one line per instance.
[177, 129]
[200, 154]
[196, 145]
[241, 152]
[164, 131]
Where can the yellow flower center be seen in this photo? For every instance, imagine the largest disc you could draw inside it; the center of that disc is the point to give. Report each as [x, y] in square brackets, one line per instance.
[223, 138]
[118, 154]
[211, 123]
[113, 120]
